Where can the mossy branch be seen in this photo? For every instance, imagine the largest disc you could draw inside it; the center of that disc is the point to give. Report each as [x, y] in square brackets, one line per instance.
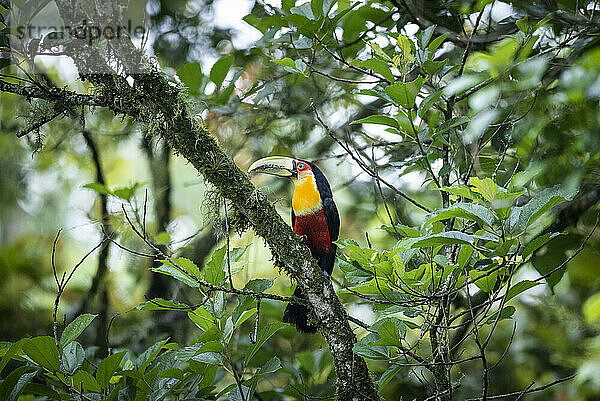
[162, 107]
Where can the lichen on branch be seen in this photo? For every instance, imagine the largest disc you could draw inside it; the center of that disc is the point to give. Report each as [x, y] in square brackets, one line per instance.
[149, 97]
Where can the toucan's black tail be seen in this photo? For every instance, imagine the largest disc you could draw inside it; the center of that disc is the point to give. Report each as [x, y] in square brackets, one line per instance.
[297, 315]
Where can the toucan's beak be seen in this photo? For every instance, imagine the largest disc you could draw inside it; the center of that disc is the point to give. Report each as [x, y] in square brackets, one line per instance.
[275, 165]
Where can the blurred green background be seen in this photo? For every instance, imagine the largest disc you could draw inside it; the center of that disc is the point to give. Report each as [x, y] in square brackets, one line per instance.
[42, 178]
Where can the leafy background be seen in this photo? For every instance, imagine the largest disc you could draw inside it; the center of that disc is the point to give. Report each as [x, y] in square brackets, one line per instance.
[540, 99]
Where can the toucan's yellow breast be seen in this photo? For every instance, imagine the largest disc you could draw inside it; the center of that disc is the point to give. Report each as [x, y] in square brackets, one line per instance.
[306, 197]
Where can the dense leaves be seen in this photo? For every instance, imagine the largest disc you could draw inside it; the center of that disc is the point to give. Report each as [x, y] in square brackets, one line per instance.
[460, 136]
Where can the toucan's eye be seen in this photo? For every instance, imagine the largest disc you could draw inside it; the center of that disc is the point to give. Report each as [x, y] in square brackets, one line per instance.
[300, 166]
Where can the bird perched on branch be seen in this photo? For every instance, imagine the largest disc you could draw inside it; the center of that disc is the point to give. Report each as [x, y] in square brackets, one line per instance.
[315, 220]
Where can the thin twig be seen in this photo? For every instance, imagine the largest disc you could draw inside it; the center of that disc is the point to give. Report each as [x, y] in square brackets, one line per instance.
[361, 164]
[532, 390]
[227, 239]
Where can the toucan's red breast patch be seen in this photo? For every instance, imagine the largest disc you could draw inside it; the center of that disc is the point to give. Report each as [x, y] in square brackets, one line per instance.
[312, 228]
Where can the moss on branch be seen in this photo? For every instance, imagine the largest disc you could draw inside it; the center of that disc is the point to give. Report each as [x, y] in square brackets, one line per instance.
[162, 106]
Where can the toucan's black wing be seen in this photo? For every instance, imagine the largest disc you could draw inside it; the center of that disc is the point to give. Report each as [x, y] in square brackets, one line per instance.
[293, 219]
[333, 218]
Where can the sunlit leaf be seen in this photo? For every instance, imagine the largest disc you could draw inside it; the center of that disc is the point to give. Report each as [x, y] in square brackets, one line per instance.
[75, 328]
[219, 70]
[107, 367]
[520, 287]
[42, 350]
[404, 94]
[264, 333]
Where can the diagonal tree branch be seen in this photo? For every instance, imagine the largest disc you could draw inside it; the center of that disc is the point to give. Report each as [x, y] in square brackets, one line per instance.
[153, 100]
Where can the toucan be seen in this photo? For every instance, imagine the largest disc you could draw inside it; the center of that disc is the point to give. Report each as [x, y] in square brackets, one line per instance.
[315, 220]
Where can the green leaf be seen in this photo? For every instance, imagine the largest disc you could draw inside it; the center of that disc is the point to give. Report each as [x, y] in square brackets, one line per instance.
[216, 305]
[211, 346]
[486, 187]
[379, 53]
[460, 190]
[236, 395]
[451, 123]
[83, 380]
[536, 244]
[404, 94]
[126, 193]
[520, 287]
[504, 201]
[162, 304]
[149, 355]
[506, 313]
[211, 358]
[187, 265]
[202, 318]
[162, 237]
[108, 367]
[192, 77]
[450, 237]
[424, 36]
[405, 45]
[186, 353]
[435, 43]
[297, 66]
[469, 211]
[391, 330]
[247, 314]
[521, 217]
[403, 230]
[485, 283]
[264, 333]
[377, 65]
[259, 284]
[286, 62]
[343, 4]
[464, 255]
[213, 270]
[365, 348]
[433, 67]
[429, 101]
[73, 356]
[271, 366]
[13, 385]
[317, 8]
[100, 188]
[14, 351]
[31, 8]
[172, 373]
[378, 119]
[235, 255]
[219, 70]
[387, 376]
[75, 328]
[169, 269]
[353, 272]
[42, 350]
[304, 10]
[523, 24]
[591, 308]
[4, 347]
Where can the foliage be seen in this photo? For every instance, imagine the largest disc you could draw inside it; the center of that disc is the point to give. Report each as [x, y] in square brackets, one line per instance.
[491, 114]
